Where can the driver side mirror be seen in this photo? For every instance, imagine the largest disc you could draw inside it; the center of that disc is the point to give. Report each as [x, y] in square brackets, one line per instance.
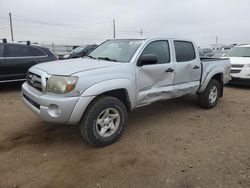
[147, 59]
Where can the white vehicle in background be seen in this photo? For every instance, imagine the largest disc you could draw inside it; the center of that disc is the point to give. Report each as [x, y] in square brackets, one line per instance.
[240, 64]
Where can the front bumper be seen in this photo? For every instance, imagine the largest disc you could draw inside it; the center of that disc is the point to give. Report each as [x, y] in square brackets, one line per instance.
[52, 108]
[240, 81]
[242, 77]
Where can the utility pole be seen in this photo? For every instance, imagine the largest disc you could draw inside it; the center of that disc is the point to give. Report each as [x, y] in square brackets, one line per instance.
[114, 27]
[216, 39]
[141, 32]
[11, 28]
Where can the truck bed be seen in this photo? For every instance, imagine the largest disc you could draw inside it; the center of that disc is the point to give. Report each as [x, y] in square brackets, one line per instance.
[213, 65]
[206, 59]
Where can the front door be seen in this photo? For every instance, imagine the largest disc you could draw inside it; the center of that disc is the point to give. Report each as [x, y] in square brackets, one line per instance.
[154, 81]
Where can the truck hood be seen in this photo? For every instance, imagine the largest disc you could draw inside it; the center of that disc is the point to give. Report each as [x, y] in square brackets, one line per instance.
[71, 66]
[239, 60]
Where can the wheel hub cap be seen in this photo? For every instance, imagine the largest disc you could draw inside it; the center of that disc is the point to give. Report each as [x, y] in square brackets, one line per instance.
[107, 122]
[213, 94]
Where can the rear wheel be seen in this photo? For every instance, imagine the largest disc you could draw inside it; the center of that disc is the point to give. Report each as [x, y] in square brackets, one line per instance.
[209, 98]
[104, 120]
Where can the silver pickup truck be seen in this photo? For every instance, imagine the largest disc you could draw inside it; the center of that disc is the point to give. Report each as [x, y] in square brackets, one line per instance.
[120, 75]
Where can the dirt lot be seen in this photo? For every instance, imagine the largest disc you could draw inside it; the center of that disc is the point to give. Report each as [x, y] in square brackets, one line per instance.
[167, 144]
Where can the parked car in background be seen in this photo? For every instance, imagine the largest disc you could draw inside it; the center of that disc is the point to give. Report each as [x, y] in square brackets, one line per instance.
[240, 68]
[16, 59]
[118, 76]
[80, 51]
[225, 50]
[206, 51]
[202, 54]
[221, 49]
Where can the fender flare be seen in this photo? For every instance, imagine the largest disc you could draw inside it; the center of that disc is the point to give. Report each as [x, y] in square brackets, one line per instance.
[213, 72]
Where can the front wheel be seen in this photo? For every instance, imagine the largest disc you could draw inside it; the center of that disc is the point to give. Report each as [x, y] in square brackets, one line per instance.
[104, 120]
[209, 98]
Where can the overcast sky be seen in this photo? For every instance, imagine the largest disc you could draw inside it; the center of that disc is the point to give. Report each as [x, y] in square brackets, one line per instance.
[90, 21]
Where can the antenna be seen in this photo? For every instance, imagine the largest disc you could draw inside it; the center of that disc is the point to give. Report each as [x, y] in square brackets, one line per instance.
[216, 39]
[114, 27]
[11, 28]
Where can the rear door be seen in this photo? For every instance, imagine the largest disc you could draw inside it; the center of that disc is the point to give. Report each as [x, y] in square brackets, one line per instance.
[187, 67]
[17, 58]
[154, 81]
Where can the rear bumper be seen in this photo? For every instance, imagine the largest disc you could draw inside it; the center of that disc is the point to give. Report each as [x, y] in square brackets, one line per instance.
[52, 108]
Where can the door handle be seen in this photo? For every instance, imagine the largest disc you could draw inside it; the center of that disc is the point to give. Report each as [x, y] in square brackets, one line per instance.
[169, 70]
[196, 67]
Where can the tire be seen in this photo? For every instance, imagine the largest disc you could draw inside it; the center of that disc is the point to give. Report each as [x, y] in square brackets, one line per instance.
[209, 98]
[103, 121]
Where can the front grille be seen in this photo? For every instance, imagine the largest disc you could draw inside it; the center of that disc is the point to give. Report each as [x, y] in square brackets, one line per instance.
[237, 66]
[234, 71]
[31, 101]
[34, 80]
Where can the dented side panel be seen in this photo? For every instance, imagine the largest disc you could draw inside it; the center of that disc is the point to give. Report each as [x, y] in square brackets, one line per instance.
[173, 91]
[154, 76]
[155, 83]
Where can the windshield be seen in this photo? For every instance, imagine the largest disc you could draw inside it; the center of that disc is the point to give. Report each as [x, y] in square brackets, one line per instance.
[239, 52]
[77, 50]
[121, 50]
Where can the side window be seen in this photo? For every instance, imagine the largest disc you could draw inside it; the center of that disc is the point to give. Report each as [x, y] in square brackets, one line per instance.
[1, 50]
[159, 48]
[23, 51]
[36, 52]
[184, 51]
[16, 51]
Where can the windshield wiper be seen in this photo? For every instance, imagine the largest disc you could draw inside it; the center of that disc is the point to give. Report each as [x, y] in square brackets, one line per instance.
[107, 59]
[91, 57]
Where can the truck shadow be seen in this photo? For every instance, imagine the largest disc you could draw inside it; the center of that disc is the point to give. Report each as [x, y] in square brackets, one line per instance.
[46, 134]
[238, 86]
[43, 135]
[163, 109]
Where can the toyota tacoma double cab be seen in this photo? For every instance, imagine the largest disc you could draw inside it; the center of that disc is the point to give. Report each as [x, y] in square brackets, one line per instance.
[98, 91]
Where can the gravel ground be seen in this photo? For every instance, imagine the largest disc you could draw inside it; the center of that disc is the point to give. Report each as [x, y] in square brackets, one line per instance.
[167, 144]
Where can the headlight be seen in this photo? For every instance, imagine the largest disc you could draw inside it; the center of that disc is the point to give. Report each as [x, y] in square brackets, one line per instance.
[61, 84]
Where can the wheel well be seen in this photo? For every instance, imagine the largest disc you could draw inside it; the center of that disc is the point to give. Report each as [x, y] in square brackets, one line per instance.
[120, 94]
[219, 78]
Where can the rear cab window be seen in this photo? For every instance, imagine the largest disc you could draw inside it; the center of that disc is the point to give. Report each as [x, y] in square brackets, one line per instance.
[184, 51]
